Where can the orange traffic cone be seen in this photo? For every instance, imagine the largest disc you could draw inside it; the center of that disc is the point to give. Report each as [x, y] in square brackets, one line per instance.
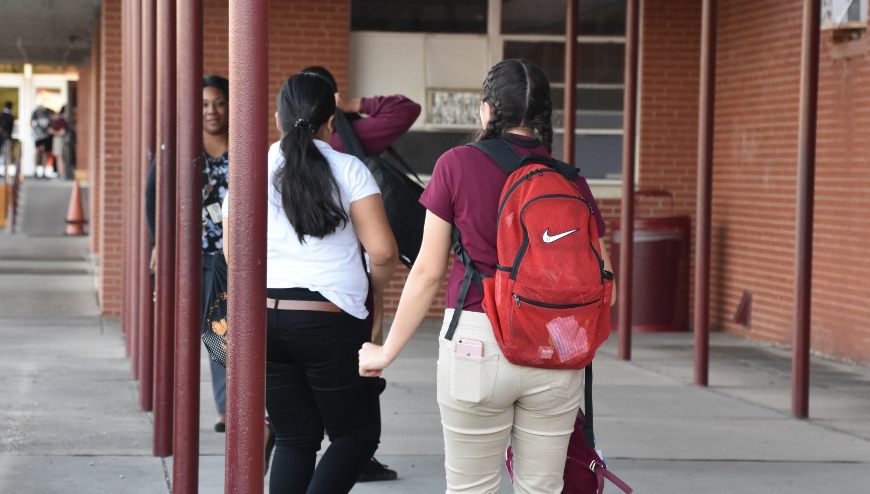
[75, 217]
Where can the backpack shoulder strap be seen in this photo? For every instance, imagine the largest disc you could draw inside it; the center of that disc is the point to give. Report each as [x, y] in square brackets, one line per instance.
[566, 170]
[348, 138]
[589, 432]
[510, 160]
[505, 156]
[470, 274]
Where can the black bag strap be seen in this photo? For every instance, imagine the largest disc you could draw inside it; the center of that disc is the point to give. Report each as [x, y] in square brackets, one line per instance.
[348, 139]
[470, 274]
[587, 392]
[505, 156]
[405, 165]
[353, 147]
[510, 160]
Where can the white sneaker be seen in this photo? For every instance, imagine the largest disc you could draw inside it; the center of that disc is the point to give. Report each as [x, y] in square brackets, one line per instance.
[40, 171]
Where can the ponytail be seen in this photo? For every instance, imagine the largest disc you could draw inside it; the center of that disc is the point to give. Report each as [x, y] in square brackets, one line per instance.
[309, 191]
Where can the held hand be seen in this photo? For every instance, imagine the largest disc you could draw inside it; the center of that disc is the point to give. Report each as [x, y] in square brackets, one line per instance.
[153, 263]
[372, 360]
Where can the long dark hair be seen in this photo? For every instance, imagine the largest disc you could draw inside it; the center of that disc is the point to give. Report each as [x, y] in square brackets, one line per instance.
[219, 83]
[519, 94]
[309, 191]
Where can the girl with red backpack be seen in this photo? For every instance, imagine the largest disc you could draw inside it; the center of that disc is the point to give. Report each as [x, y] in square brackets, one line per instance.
[484, 399]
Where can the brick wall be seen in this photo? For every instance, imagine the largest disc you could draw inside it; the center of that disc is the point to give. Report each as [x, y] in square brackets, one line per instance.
[841, 261]
[755, 182]
[215, 37]
[110, 162]
[754, 176]
[301, 34]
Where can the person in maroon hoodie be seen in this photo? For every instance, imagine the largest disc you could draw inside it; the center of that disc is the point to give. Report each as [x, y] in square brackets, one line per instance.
[388, 117]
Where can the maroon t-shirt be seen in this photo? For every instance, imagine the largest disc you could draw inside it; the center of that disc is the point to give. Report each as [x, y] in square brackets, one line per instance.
[388, 118]
[464, 190]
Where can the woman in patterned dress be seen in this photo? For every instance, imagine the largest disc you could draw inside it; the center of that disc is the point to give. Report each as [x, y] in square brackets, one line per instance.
[215, 170]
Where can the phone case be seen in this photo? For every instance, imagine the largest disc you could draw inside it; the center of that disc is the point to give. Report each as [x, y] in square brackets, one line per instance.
[471, 348]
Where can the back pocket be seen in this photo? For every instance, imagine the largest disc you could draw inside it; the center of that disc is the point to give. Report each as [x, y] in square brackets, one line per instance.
[471, 380]
[564, 383]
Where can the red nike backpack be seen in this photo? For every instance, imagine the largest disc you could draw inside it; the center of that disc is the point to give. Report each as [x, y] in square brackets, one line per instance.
[549, 301]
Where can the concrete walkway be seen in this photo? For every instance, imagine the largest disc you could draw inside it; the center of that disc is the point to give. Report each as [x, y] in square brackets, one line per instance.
[69, 421]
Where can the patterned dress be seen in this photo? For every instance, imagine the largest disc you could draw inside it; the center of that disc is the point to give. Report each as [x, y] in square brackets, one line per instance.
[215, 173]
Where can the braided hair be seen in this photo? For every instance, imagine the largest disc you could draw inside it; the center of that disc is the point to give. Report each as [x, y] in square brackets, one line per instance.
[519, 94]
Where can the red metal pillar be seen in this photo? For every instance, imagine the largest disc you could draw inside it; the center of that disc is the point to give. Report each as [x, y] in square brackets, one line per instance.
[164, 349]
[800, 397]
[132, 163]
[629, 134]
[706, 106]
[568, 122]
[148, 131]
[246, 373]
[188, 288]
[126, 267]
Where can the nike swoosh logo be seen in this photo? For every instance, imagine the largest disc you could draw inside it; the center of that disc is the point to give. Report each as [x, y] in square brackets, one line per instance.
[548, 239]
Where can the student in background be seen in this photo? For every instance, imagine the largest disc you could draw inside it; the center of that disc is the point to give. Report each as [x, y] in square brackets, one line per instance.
[40, 121]
[57, 131]
[7, 123]
[387, 119]
[322, 205]
[533, 407]
[215, 176]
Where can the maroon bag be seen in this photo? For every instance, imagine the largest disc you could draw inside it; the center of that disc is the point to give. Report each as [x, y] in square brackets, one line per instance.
[585, 471]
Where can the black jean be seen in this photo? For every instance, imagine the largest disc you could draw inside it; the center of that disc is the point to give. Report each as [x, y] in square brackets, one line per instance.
[312, 384]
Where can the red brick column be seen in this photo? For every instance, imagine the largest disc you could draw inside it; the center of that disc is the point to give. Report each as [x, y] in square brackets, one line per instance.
[110, 162]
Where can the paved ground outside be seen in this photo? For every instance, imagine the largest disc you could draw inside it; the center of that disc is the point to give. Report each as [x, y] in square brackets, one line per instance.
[69, 421]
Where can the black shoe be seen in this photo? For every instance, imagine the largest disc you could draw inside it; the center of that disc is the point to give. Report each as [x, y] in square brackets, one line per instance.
[220, 427]
[270, 445]
[375, 472]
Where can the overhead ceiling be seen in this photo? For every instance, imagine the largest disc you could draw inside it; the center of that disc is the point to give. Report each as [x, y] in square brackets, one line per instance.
[55, 32]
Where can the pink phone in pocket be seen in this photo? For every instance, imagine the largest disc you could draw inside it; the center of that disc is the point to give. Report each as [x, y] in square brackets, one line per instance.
[470, 348]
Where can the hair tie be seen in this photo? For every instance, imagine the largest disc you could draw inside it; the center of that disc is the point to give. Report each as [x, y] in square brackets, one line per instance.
[306, 124]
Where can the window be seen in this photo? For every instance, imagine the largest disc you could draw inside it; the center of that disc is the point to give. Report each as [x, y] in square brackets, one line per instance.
[429, 16]
[535, 30]
[460, 40]
[595, 17]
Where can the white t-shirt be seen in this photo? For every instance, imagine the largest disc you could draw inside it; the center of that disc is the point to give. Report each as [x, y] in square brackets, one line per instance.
[331, 265]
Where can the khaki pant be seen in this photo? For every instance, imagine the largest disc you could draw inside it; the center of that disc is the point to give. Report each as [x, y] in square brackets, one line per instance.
[486, 401]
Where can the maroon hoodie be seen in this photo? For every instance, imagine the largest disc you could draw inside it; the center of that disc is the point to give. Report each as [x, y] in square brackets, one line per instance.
[388, 118]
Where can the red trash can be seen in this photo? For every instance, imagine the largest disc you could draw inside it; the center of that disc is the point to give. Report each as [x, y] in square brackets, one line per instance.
[660, 290]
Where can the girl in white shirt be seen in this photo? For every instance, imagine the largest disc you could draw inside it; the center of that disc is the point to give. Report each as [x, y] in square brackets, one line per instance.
[322, 205]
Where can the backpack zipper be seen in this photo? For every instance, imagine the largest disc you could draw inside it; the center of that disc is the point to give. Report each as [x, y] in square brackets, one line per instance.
[525, 245]
[538, 171]
[518, 300]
